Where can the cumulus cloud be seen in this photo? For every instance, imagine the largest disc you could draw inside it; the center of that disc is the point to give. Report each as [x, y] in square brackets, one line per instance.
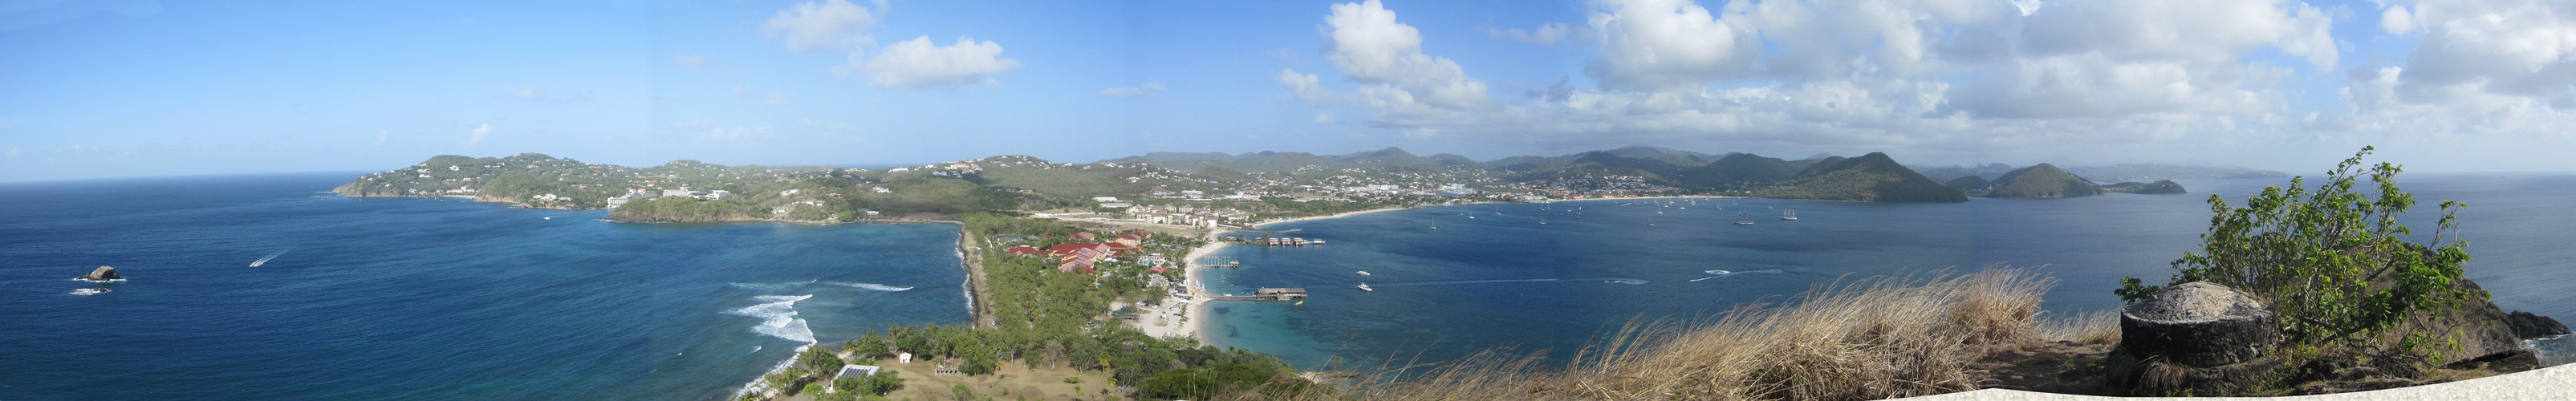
[1305, 86]
[1545, 35]
[475, 137]
[824, 25]
[918, 64]
[1371, 48]
[2397, 20]
[1147, 88]
[2492, 67]
[1957, 76]
[1655, 44]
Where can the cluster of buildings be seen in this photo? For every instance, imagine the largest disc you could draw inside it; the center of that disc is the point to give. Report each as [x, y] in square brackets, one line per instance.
[642, 194]
[1189, 215]
[1075, 256]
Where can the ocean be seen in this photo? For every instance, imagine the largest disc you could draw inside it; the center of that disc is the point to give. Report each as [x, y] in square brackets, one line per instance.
[426, 298]
[1491, 276]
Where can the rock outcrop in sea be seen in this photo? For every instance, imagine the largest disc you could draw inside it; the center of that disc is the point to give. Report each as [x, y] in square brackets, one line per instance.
[2528, 325]
[102, 274]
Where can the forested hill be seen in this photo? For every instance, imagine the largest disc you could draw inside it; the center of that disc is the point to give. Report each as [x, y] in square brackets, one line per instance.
[2041, 181]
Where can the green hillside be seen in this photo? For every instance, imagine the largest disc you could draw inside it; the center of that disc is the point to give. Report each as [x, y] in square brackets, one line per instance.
[2160, 187]
[1874, 177]
[2041, 181]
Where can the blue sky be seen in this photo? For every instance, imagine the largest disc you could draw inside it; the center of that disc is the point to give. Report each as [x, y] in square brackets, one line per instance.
[94, 89]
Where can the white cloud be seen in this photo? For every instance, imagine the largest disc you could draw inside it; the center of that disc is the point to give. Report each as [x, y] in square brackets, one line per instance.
[1654, 44]
[1545, 35]
[1956, 77]
[1323, 118]
[2496, 68]
[824, 25]
[11, 154]
[916, 63]
[476, 136]
[1306, 86]
[2397, 21]
[1148, 88]
[1371, 48]
[384, 137]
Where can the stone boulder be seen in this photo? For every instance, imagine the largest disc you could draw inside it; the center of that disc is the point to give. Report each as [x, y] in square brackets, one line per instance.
[103, 273]
[2528, 326]
[2199, 324]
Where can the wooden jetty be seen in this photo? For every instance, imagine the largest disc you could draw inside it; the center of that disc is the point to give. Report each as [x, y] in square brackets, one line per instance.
[1265, 294]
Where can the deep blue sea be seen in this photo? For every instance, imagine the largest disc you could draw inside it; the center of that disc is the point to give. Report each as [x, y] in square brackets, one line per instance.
[425, 298]
[1502, 279]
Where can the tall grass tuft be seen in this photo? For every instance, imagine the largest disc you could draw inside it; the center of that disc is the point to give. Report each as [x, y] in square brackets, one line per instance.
[1869, 338]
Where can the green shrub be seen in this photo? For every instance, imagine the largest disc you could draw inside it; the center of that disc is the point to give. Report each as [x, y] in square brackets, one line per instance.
[2334, 263]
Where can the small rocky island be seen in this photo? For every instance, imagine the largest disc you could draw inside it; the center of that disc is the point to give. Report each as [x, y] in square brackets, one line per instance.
[101, 275]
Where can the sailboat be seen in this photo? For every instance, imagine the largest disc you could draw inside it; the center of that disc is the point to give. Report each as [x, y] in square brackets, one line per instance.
[1788, 215]
[1740, 219]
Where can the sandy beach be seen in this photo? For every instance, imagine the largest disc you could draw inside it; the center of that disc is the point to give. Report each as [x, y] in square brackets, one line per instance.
[1164, 321]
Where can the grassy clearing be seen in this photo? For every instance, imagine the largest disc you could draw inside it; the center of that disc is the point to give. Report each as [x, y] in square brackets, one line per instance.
[1871, 338]
[1010, 381]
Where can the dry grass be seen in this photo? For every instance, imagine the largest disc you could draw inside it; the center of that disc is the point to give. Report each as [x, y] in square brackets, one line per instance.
[2097, 327]
[1872, 338]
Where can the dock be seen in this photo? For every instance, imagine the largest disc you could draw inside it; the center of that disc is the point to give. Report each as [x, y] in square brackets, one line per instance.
[1279, 241]
[1264, 294]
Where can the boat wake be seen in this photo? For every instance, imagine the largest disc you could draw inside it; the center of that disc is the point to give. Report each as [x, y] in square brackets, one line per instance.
[778, 317]
[1723, 272]
[89, 291]
[869, 286]
[264, 259]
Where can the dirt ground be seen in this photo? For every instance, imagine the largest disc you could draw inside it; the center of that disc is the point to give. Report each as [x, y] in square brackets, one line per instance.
[1013, 381]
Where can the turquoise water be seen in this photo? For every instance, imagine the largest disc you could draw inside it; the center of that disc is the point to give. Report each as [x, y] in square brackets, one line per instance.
[1502, 279]
[426, 298]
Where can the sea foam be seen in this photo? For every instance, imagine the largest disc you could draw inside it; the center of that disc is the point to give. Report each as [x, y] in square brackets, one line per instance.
[773, 286]
[778, 317]
[869, 286]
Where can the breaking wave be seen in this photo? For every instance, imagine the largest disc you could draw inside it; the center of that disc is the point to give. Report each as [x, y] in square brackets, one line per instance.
[1723, 272]
[774, 286]
[869, 286]
[778, 317]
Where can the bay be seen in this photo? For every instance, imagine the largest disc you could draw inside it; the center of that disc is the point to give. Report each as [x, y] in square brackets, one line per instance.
[431, 298]
[1491, 276]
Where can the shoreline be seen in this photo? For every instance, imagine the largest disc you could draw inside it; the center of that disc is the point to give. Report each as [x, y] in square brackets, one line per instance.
[1193, 322]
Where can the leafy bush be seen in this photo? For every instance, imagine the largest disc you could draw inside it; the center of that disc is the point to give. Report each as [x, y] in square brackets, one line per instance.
[2334, 263]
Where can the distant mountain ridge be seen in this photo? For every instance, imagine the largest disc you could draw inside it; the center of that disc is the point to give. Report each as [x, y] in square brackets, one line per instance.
[1875, 177]
[2111, 173]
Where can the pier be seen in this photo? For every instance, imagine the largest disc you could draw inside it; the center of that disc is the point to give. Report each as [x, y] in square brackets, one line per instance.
[1280, 241]
[1264, 294]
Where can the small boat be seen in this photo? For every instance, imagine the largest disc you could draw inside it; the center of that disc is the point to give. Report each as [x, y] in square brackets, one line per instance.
[1364, 287]
[1788, 215]
[89, 291]
[1364, 272]
[1741, 220]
